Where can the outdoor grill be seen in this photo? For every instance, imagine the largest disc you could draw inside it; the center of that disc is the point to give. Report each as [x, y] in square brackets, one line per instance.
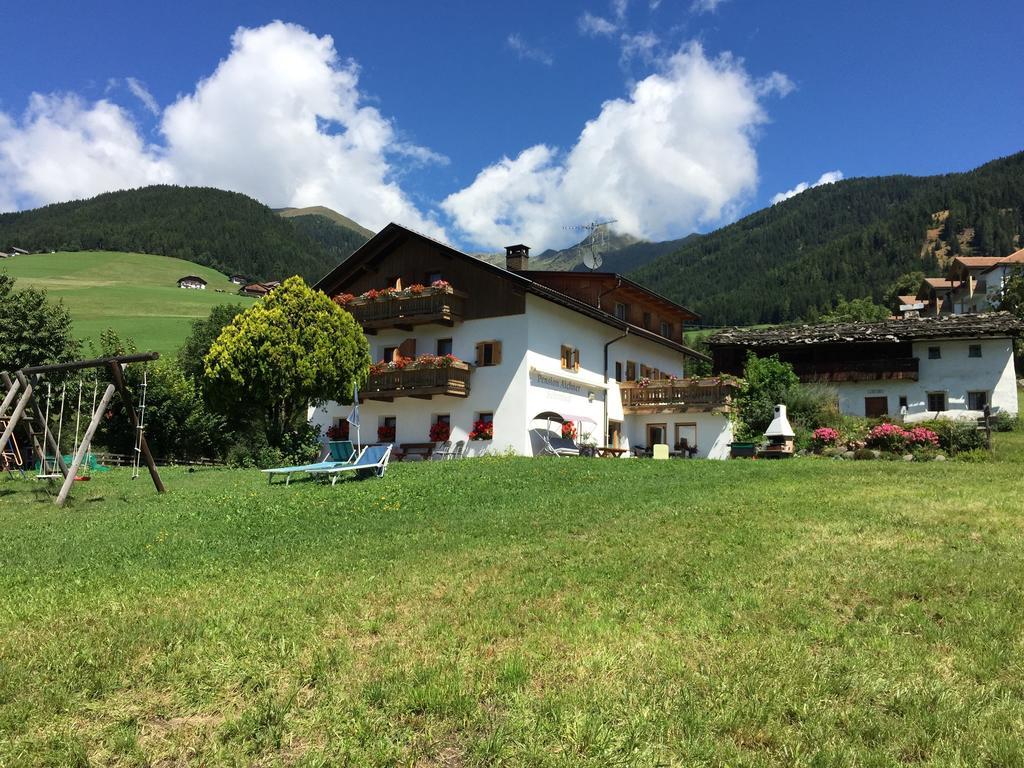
[780, 436]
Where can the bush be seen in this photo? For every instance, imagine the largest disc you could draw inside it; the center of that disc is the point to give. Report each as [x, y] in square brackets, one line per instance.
[864, 454]
[1004, 422]
[765, 383]
[887, 437]
[957, 437]
[811, 405]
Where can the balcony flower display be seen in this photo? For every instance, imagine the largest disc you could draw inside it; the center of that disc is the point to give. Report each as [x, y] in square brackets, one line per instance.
[440, 431]
[441, 285]
[482, 430]
[343, 299]
[569, 431]
[385, 434]
[390, 292]
[423, 361]
[416, 289]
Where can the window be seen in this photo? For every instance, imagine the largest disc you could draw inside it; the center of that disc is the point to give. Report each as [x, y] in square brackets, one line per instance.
[936, 401]
[976, 401]
[876, 407]
[686, 437]
[666, 329]
[903, 402]
[444, 347]
[647, 320]
[395, 281]
[486, 418]
[622, 311]
[570, 358]
[645, 372]
[339, 429]
[387, 429]
[630, 370]
[974, 350]
[389, 421]
[443, 418]
[934, 353]
[618, 370]
[981, 287]
[488, 353]
[433, 277]
[389, 354]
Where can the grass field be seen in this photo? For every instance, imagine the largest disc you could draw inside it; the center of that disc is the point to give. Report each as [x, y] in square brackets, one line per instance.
[521, 612]
[136, 294]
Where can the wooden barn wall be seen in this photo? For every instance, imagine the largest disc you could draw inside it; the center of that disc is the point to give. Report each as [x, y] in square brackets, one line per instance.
[487, 294]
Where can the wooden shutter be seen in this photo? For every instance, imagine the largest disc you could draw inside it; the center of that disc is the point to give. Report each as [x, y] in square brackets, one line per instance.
[575, 359]
[479, 353]
[407, 348]
[496, 352]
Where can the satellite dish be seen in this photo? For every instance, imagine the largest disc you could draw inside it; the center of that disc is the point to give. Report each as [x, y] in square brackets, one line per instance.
[592, 260]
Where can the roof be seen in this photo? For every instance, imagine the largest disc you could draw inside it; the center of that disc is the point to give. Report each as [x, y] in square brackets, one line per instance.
[990, 324]
[191, 277]
[974, 262]
[393, 231]
[909, 299]
[939, 282]
[538, 275]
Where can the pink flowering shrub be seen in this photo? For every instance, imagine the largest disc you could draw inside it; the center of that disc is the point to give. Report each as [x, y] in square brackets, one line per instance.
[887, 437]
[922, 436]
[825, 436]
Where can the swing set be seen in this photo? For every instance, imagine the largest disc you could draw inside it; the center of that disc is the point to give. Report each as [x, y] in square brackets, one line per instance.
[21, 393]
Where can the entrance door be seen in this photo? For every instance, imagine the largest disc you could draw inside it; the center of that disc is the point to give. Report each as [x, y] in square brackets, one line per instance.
[656, 434]
[875, 407]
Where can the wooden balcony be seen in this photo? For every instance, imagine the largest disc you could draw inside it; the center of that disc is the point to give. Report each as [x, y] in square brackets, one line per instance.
[677, 396]
[826, 371]
[405, 311]
[422, 383]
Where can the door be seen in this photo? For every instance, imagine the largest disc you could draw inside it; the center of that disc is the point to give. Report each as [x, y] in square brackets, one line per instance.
[686, 435]
[656, 434]
[876, 407]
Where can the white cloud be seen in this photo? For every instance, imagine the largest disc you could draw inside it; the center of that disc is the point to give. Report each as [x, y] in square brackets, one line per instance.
[280, 119]
[592, 25]
[525, 51]
[619, 8]
[705, 6]
[142, 93]
[640, 45]
[830, 177]
[675, 154]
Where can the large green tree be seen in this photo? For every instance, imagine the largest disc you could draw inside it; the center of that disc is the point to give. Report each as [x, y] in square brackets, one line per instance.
[766, 382]
[292, 349]
[856, 311]
[205, 330]
[33, 330]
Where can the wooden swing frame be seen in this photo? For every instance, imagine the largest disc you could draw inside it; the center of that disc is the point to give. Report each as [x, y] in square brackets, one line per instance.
[27, 380]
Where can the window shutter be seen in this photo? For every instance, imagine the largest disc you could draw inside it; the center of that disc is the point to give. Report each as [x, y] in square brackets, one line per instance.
[407, 348]
[496, 352]
[575, 359]
[479, 353]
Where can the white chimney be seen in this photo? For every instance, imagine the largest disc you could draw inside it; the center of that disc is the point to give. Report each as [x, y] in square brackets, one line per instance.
[780, 426]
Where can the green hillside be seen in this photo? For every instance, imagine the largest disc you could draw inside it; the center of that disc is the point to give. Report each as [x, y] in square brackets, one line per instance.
[845, 240]
[327, 213]
[135, 294]
[226, 231]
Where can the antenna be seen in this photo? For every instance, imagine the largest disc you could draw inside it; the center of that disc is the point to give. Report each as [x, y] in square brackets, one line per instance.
[595, 242]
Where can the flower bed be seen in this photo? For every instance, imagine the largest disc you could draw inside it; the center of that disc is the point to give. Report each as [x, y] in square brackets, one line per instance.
[895, 439]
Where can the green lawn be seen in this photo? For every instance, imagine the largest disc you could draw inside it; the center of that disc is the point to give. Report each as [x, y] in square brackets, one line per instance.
[520, 612]
[136, 294]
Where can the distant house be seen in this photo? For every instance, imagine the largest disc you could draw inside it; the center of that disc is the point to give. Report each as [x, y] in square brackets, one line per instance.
[239, 279]
[192, 281]
[953, 365]
[18, 251]
[909, 306]
[259, 289]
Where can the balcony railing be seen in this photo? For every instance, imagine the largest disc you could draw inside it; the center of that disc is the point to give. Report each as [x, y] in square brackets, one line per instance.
[677, 395]
[893, 368]
[405, 311]
[418, 382]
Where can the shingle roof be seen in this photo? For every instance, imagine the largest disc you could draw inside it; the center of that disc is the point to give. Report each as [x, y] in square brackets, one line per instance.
[996, 324]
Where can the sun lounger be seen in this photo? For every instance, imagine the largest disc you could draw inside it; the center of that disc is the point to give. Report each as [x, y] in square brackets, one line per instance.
[373, 460]
[320, 466]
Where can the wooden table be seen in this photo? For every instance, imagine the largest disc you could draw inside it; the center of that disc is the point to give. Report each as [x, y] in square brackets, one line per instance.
[407, 451]
[607, 452]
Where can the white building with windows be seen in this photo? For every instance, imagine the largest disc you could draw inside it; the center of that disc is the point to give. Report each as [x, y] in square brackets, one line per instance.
[926, 367]
[487, 350]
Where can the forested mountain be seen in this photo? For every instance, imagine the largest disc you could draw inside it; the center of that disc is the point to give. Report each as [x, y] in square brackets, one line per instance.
[337, 240]
[334, 216]
[227, 231]
[846, 240]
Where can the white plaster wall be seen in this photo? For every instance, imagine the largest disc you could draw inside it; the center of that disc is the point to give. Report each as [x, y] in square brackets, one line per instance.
[954, 373]
[714, 431]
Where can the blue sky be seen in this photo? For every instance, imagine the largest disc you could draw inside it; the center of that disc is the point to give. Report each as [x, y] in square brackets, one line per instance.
[468, 120]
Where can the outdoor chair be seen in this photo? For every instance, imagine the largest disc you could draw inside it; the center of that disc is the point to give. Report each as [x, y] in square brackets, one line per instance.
[372, 461]
[456, 452]
[441, 451]
[320, 466]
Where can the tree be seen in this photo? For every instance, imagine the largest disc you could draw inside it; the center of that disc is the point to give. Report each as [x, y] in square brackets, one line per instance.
[292, 349]
[906, 284]
[205, 331]
[33, 330]
[766, 381]
[856, 311]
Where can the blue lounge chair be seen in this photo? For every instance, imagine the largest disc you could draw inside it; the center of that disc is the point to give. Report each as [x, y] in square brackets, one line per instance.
[319, 466]
[372, 460]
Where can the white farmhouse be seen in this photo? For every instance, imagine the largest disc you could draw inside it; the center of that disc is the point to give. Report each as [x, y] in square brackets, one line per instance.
[193, 282]
[948, 366]
[487, 350]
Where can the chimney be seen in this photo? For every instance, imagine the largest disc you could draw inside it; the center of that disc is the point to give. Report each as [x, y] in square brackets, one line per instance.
[517, 258]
